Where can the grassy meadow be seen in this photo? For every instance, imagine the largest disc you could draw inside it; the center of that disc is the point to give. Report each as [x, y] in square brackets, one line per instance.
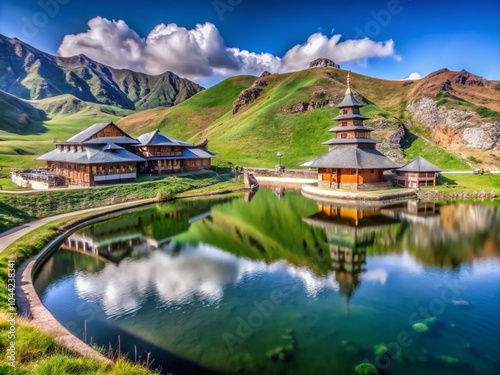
[18, 208]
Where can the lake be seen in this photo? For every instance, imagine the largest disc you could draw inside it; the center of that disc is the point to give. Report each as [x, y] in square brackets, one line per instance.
[277, 283]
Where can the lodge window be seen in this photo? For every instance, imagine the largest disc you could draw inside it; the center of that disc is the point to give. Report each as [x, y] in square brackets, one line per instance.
[344, 123]
[372, 171]
[344, 135]
[353, 171]
[344, 111]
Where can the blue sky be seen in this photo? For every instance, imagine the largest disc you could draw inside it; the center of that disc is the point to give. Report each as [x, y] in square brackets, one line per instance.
[386, 39]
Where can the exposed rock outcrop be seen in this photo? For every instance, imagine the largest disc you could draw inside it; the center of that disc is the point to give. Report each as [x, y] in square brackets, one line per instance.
[265, 73]
[392, 147]
[464, 78]
[446, 86]
[246, 97]
[308, 106]
[323, 63]
[453, 127]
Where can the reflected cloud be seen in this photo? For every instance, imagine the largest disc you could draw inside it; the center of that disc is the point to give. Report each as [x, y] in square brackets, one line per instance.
[375, 276]
[312, 283]
[199, 272]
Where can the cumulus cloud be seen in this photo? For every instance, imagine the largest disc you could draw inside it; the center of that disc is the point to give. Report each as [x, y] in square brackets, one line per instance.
[319, 45]
[413, 76]
[200, 52]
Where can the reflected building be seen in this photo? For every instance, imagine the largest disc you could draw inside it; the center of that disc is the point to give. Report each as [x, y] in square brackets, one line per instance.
[350, 231]
[132, 234]
[415, 211]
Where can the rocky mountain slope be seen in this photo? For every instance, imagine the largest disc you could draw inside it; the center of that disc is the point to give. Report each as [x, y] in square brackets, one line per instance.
[29, 73]
[292, 112]
[460, 112]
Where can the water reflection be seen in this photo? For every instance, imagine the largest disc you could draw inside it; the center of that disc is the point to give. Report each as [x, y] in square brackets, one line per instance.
[183, 274]
[203, 249]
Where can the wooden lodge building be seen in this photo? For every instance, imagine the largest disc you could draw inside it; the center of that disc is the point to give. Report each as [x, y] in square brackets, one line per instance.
[352, 161]
[103, 153]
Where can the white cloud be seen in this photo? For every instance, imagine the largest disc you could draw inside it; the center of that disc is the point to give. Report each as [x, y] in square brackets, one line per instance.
[201, 52]
[319, 45]
[413, 76]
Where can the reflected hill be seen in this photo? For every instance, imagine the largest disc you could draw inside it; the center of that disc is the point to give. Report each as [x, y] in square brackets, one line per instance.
[458, 233]
[269, 228]
[318, 235]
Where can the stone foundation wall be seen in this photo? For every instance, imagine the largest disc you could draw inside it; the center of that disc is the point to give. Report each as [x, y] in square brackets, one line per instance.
[351, 186]
[292, 173]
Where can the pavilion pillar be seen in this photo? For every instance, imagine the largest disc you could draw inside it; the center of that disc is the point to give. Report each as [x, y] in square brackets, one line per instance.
[357, 178]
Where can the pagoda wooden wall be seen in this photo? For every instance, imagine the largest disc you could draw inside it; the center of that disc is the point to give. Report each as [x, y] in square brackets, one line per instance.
[364, 176]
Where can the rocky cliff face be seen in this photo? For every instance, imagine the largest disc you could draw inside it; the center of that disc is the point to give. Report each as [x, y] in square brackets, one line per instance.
[454, 127]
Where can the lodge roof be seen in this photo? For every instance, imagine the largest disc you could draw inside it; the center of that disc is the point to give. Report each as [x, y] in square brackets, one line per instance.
[93, 154]
[86, 134]
[156, 138]
[355, 158]
[419, 165]
[115, 140]
[186, 153]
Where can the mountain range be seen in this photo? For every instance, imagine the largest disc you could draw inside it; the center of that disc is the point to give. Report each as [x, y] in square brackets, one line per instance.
[29, 73]
[450, 118]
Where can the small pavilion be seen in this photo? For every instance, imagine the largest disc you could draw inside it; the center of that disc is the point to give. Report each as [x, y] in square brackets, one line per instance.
[417, 173]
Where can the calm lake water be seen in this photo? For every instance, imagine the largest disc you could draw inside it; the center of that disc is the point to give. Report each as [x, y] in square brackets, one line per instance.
[281, 284]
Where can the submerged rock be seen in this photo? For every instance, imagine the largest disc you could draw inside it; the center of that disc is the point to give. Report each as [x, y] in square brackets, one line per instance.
[380, 349]
[420, 327]
[447, 359]
[365, 369]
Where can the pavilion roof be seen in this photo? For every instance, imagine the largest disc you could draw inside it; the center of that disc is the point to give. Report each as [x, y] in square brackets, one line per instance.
[419, 165]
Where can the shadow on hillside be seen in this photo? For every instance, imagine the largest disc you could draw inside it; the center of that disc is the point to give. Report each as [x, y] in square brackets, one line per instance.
[32, 127]
[409, 139]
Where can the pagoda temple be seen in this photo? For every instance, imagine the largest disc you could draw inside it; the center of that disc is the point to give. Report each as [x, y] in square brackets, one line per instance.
[352, 161]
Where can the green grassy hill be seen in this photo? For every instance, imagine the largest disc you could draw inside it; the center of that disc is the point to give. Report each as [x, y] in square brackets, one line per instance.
[277, 120]
[192, 116]
[66, 116]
